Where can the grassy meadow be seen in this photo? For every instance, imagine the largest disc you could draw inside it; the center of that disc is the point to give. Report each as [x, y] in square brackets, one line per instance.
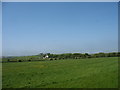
[72, 73]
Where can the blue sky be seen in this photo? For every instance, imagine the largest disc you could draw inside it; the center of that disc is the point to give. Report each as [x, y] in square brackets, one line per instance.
[1, 29]
[33, 28]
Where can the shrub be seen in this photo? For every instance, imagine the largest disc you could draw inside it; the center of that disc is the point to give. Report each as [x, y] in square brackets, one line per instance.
[29, 60]
[51, 59]
[8, 60]
[19, 60]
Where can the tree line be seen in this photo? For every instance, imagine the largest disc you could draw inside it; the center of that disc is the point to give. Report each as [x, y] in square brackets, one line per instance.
[83, 55]
[41, 56]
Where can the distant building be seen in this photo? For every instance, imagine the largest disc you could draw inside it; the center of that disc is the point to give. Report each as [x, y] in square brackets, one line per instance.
[46, 56]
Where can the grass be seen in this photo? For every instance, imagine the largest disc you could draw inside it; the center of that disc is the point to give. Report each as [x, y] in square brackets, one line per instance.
[80, 73]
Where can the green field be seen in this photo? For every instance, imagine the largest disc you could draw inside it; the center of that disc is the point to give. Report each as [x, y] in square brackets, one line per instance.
[72, 73]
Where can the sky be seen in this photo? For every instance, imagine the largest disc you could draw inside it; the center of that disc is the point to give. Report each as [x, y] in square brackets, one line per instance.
[0, 30]
[30, 28]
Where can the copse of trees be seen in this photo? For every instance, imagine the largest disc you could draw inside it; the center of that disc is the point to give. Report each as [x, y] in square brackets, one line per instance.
[84, 55]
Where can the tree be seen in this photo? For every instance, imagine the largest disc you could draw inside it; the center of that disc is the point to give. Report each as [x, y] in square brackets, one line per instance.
[87, 55]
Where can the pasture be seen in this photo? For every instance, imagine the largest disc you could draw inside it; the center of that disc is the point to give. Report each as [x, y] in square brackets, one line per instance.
[72, 73]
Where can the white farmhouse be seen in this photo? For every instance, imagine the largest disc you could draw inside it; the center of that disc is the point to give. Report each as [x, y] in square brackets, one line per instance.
[46, 56]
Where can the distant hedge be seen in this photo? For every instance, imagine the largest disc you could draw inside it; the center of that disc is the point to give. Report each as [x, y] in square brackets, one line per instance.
[40, 57]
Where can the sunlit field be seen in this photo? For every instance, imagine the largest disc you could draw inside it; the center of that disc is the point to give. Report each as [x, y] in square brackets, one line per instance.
[72, 73]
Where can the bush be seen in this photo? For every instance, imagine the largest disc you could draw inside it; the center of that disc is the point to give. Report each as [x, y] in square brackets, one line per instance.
[59, 58]
[29, 60]
[51, 59]
[8, 60]
[19, 60]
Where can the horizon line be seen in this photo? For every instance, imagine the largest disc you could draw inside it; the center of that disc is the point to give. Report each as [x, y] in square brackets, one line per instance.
[58, 53]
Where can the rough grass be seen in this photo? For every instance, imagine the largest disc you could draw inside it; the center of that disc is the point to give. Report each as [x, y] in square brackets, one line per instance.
[79, 73]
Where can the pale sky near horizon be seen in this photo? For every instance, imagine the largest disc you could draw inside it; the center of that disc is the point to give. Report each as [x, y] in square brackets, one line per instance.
[31, 28]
